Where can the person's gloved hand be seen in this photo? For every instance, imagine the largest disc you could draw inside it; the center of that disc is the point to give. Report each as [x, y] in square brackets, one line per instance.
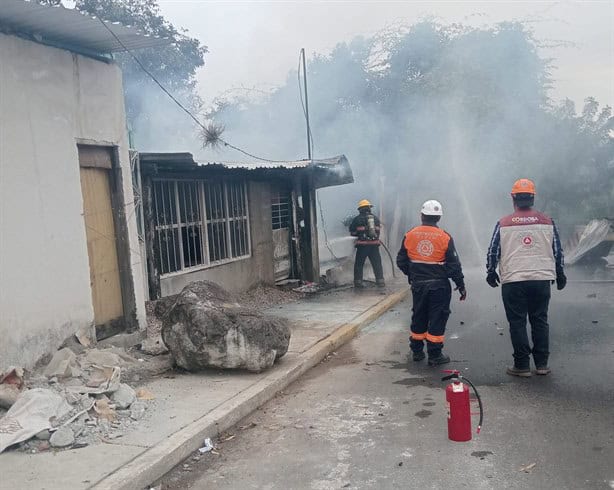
[462, 291]
[493, 279]
[561, 281]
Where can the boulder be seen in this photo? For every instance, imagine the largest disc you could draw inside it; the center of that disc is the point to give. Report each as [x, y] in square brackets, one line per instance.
[207, 328]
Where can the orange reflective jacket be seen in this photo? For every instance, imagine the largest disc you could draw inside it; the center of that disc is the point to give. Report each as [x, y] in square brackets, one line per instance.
[427, 254]
[427, 245]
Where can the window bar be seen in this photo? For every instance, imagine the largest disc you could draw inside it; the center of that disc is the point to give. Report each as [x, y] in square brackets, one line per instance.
[179, 234]
[182, 222]
[244, 248]
[239, 222]
[214, 226]
[189, 223]
[193, 221]
[204, 245]
[228, 218]
[220, 223]
[166, 237]
[248, 248]
[235, 222]
[158, 231]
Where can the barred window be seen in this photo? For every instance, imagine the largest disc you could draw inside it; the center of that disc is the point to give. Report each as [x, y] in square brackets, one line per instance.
[280, 209]
[200, 223]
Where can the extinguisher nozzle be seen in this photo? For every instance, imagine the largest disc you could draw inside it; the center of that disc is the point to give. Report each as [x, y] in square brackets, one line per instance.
[479, 429]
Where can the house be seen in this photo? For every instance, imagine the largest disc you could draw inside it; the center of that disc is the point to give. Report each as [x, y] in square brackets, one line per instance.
[237, 224]
[69, 252]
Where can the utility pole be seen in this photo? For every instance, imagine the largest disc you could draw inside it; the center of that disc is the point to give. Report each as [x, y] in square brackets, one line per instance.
[306, 104]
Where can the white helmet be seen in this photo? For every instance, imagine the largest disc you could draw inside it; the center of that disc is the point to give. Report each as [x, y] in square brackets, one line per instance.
[432, 208]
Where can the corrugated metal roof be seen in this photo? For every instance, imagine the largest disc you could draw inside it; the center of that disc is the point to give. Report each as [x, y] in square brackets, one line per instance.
[326, 171]
[259, 165]
[71, 28]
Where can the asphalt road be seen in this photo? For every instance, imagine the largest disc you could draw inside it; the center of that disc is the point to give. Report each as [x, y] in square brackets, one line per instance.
[368, 418]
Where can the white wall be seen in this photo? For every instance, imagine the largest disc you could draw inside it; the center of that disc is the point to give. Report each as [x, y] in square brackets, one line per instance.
[50, 98]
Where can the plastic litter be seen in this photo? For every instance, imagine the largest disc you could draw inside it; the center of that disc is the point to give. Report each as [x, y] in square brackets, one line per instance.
[207, 447]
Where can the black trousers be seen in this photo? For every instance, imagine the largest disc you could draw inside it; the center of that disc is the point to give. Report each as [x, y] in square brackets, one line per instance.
[528, 298]
[431, 310]
[371, 251]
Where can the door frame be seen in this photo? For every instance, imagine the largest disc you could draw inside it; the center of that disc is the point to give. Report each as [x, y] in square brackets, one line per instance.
[129, 322]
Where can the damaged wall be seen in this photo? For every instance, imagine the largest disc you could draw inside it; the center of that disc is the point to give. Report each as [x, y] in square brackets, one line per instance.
[243, 274]
[50, 99]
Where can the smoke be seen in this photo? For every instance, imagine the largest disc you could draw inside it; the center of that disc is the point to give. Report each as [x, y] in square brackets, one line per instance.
[427, 111]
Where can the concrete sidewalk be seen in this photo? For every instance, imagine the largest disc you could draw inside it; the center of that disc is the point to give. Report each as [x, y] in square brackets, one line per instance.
[191, 407]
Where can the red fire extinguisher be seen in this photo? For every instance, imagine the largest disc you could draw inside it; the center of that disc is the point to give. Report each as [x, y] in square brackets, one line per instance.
[459, 409]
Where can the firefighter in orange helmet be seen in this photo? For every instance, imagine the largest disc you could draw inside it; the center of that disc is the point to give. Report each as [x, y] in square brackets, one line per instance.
[428, 258]
[366, 228]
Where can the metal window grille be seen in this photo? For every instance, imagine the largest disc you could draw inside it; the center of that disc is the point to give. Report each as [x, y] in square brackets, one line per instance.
[200, 223]
[280, 209]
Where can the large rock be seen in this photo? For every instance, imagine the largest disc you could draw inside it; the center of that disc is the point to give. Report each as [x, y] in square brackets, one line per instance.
[206, 327]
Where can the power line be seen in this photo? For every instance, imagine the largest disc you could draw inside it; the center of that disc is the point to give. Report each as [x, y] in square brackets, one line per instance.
[319, 203]
[172, 97]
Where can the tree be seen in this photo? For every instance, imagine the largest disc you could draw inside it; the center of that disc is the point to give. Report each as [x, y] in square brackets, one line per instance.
[438, 111]
[150, 113]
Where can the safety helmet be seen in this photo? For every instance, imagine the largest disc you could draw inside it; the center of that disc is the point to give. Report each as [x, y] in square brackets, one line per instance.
[523, 186]
[432, 208]
[364, 204]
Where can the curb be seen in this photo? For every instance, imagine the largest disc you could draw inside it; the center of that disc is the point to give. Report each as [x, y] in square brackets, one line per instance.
[164, 456]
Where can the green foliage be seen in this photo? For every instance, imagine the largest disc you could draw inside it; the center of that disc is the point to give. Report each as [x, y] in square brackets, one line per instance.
[443, 111]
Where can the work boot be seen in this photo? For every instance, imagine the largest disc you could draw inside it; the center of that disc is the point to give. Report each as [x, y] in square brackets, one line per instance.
[523, 373]
[542, 370]
[359, 285]
[438, 360]
[418, 356]
[380, 283]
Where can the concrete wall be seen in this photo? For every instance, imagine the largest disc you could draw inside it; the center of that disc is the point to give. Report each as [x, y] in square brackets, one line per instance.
[245, 273]
[49, 100]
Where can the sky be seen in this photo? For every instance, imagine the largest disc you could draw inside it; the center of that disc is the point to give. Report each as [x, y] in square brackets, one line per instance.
[255, 44]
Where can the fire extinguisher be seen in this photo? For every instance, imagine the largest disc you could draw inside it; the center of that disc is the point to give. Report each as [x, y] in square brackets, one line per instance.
[459, 409]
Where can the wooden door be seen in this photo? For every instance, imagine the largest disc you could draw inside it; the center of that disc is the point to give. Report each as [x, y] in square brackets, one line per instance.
[95, 167]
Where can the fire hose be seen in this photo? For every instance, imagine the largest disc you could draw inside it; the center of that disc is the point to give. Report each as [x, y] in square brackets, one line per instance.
[391, 260]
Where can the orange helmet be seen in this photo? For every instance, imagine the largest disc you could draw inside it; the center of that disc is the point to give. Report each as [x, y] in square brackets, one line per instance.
[523, 186]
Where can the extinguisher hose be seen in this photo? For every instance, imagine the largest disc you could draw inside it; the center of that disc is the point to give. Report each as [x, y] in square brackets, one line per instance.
[477, 395]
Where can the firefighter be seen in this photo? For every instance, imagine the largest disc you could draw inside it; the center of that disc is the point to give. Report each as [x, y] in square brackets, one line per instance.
[527, 248]
[428, 258]
[366, 228]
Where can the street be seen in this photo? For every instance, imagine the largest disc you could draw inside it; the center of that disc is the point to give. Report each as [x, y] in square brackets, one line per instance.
[368, 418]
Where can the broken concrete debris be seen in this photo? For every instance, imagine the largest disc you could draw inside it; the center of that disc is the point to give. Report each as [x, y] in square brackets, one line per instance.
[35, 410]
[206, 327]
[77, 401]
[123, 397]
[63, 364]
[137, 410]
[63, 437]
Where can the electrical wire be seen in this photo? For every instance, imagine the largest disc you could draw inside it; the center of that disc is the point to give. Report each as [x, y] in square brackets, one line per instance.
[300, 92]
[174, 99]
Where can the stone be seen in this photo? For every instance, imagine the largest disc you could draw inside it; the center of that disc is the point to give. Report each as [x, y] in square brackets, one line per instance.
[207, 328]
[8, 395]
[62, 364]
[123, 397]
[154, 346]
[43, 435]
[137, 410]
[63, 437]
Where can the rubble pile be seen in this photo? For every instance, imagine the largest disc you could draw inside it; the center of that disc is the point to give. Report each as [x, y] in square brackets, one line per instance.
[76, 400]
